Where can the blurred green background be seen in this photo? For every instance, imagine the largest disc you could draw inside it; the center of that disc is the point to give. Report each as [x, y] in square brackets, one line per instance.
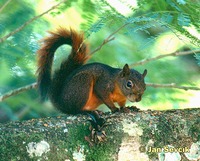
[156, 27]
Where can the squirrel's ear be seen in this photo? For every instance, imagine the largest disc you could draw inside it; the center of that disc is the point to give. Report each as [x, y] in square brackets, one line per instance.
[125, 71]
[144, 73]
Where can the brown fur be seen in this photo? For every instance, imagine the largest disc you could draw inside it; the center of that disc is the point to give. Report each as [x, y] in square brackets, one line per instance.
[77, 87]
[79, 55]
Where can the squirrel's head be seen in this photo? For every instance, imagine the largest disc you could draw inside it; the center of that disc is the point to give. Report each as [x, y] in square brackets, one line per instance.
[132, 83]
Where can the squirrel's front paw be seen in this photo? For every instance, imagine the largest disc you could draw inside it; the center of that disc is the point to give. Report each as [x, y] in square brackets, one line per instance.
[129, 109]
[134, 108]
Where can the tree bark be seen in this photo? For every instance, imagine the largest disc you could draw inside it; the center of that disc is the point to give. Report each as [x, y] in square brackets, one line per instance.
[170, 135]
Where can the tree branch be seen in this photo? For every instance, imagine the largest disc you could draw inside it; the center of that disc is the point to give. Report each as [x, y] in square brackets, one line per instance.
[108, 39]
[131, 136]
[172, 85]
[1, 9]
[28, 22]
[34, 85]
[144, 61]
[17, 91]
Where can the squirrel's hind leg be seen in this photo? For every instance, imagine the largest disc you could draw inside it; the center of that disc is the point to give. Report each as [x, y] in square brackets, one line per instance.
[97, 133]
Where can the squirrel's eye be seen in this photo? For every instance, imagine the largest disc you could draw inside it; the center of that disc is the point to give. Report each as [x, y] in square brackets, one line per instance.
[129, 84]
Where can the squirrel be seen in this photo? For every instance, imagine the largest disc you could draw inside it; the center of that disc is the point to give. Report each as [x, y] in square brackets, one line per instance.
[77, 87]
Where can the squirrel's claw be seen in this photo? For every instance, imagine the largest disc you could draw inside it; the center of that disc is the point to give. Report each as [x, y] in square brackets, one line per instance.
[97, 124]
[97, 135]
[129, 109]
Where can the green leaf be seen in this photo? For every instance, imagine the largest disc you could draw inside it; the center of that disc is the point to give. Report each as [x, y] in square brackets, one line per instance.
[174, 5]
[183, 20]
[167, 18]
[181, 2]
[198, 59]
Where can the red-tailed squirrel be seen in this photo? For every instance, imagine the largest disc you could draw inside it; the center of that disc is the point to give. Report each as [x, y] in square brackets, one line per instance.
[77, 87]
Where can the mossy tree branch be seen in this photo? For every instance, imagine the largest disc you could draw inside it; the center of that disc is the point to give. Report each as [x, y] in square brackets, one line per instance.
[130, 136]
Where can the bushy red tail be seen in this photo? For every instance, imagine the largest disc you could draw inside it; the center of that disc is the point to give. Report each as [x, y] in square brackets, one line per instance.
[77, 57]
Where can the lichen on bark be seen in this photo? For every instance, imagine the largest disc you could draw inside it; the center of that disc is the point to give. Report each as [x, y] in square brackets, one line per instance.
[129, 135]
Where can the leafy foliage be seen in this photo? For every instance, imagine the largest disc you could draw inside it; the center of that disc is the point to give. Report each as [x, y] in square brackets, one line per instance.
[198, 59]
[147, 22]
